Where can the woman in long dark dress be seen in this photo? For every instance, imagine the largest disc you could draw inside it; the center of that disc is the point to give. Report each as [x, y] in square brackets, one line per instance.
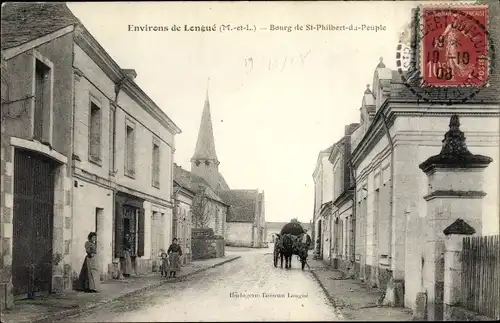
[174, 253]
[89, 279]
[127, 262]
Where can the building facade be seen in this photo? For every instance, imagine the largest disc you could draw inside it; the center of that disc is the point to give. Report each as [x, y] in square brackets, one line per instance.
[323, 179]
[388, 148]
[35, 155]
[245, 223]
[343, 220]
[183, 221]
[78, 117]
[208, 209]
[121, 183]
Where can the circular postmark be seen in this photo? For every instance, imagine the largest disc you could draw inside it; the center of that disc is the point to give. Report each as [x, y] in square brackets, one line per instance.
[446, 52]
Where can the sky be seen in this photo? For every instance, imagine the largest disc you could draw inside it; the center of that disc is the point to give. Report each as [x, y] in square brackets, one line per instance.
[270, 118]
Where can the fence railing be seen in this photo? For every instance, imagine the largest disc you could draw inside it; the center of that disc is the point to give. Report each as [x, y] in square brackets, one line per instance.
[480, 290]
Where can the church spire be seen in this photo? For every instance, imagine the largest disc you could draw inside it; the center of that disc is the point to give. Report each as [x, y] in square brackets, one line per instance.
[205, 145]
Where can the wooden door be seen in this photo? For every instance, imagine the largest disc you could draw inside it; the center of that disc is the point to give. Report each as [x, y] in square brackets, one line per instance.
[33, 223]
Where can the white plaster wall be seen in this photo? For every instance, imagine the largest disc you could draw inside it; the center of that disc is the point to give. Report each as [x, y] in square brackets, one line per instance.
[86, 198]
[143, 159]
[146, 127]
[83, 91]
[85, 64]
[239, 232]
[327, 180]
[426, 134]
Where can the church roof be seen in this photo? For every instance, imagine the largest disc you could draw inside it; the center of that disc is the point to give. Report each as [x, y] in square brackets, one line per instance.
[205, 145]
[242, 204]
[223, 183]
[24, 22]
[194, 183]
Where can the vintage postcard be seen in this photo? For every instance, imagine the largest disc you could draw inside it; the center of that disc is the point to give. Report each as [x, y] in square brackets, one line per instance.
[194, 161]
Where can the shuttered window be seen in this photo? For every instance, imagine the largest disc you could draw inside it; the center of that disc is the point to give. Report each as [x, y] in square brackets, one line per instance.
[155, 171]
[112, 146]
[118, 230]
[130, 149]
[141, 226]
[95, 132]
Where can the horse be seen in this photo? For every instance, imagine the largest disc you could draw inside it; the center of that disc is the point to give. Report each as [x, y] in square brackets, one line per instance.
[286, 250]
[301, 248]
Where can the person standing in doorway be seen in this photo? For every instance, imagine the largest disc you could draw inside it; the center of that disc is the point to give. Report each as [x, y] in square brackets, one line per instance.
[127, 261]
[90, 278]
[174, 252]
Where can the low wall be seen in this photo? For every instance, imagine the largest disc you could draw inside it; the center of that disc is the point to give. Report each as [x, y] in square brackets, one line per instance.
[206, 248]
[206, 245]
[239, 244]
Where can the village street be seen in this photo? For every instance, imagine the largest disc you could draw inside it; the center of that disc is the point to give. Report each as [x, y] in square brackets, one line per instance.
[207, 296]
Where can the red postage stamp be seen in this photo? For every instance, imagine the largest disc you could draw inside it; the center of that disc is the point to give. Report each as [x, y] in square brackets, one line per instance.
[454, 45]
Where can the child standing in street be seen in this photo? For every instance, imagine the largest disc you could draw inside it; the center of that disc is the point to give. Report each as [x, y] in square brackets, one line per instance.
[164, 264]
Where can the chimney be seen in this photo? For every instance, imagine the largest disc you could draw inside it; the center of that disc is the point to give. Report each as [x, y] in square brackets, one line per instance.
[130, 73]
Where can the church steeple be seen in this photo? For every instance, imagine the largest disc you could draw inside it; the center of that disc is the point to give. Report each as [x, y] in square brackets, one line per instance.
[205, 145]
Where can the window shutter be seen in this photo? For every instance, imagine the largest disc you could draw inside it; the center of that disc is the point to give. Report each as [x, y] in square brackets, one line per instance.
[174, 225]
[118, 230]
[140, 244]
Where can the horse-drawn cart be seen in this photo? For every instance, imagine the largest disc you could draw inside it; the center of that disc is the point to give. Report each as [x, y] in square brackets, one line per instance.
[292, 240]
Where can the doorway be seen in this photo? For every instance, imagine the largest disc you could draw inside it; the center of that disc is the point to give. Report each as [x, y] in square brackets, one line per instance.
[130, 229]
[319, 240]
[157, 238]
[99, 230]
[34, 177]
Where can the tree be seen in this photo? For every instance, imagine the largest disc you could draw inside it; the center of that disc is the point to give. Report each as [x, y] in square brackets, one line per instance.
[201, 209]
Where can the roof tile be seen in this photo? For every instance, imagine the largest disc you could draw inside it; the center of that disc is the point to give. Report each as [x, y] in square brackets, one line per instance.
[242, 204]
[26, 21]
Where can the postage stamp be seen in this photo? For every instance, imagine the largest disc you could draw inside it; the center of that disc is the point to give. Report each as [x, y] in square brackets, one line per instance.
[446, 52]
[454, 46]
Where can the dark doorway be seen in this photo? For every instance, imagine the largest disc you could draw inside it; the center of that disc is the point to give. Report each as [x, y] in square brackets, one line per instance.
[319, 240]
[32, 223]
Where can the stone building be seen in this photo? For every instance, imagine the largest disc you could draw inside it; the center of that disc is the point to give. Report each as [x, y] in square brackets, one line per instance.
[397, 132]
[183, 222]
[387, 149]
[36, 149]
[90, 119]
[120, 181]
[323, 181]
[343, 220]
[208, 210]
[245, 220]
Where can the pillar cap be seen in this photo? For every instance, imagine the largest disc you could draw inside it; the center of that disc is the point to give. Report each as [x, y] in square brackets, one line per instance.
[459, 227]
[454, 153]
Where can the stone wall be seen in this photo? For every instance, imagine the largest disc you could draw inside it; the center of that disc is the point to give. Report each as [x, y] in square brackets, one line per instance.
[206, 245]
[239, 234]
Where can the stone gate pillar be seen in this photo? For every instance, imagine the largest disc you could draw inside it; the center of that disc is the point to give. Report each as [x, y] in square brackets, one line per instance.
[455, 190]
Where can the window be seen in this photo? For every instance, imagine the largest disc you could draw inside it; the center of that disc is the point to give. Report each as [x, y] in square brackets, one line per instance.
[130, 149]
[95, 132]
[156, 164]
[42, 123]
[112, 136]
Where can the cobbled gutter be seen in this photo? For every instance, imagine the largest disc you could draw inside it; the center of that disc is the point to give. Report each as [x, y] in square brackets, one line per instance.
[328, 296]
